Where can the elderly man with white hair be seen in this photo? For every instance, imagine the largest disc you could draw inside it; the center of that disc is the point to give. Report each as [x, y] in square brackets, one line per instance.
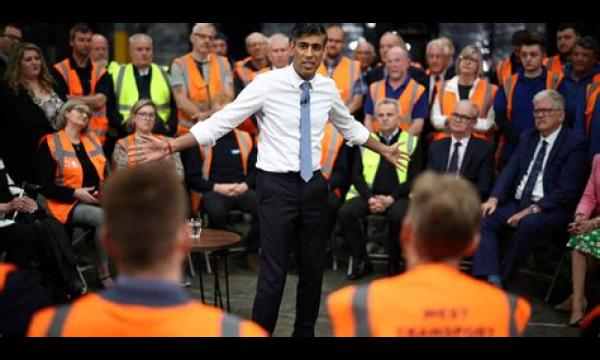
[438, 54]
[279, 51]
[143, 79]
[536, 193]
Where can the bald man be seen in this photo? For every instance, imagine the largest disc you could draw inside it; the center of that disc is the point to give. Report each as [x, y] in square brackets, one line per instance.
[246, 70]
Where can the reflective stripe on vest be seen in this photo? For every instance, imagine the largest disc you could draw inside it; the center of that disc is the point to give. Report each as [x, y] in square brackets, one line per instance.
[58, 321]
[512, 321]
[198, 91]
[244, 141]
[331, 145]
[371, 159]
[345, 75]
[230, 326]
[68, 169]
[552, 82]
[504, 70]
[407, 99]
[5, 270]
[128, 141]
[590, 104]
[360, 306]
[127, 94]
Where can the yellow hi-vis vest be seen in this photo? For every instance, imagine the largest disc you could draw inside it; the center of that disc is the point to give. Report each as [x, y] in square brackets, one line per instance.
[127, 94]
[370, 162]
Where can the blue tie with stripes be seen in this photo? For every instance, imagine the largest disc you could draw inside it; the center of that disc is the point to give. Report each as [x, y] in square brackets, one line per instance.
[306, 170]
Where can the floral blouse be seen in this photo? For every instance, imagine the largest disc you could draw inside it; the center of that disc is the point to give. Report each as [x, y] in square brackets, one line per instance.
[51, 106]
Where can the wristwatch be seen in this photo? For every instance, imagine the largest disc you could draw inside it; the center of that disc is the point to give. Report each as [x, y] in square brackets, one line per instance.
[535, 209]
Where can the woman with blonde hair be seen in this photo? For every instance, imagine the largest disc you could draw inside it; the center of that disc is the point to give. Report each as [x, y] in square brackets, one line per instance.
[29, 106]
[468, 84]
[141, 122]
[72, 169]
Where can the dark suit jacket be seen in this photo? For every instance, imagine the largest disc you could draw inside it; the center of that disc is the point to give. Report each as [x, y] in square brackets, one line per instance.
[565, 173]
[477, 165]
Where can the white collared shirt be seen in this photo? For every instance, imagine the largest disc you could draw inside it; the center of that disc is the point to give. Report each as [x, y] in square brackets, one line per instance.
[538, 188]
[274, 98]
[461, 150]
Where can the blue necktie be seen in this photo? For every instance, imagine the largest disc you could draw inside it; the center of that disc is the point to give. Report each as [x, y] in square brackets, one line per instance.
[535, 172]
[453, 167]
[306, 169]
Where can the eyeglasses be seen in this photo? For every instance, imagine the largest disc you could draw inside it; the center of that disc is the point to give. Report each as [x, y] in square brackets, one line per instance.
[146, 115]
[468, 58]
[13, 37]
[544, 111]
[462, 118]
[83, 111]
[204, 36]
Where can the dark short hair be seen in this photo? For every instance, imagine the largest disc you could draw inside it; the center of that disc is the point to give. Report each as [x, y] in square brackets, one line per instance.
[519, 37]
[12, 25]
[79, 28]
[303, 29]
[220, 36]
[534, 39]
[565, 26]
[588, 43]
[144, 208]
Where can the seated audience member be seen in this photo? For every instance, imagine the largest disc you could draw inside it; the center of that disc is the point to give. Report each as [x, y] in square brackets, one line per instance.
[536, 193]
[379, 188]
[462, 153]
[71, 168]
[146, 233]
[433, 298]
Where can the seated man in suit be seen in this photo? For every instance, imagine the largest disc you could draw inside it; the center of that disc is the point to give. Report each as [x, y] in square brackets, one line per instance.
[379, 188]
[536, 193]
[224, 174]
[463, 154]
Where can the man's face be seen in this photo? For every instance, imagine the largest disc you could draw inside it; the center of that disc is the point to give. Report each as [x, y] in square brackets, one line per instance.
[386, 43]
[279, 53]
[219, 47]
[82, 44]
[257, 47]
[548, 117]
[437, 60]
[335, 42]
[141, 52]
[532, 57]
[582, 59]
[396, 63]
[308, 53]
[387, 116]
[99, 49]
[462, 119]
[11, 37]
[565, 40]
[202, 39]
[364, 55]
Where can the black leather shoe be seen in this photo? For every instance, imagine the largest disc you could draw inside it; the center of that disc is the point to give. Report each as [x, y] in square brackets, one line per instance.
[361, 270]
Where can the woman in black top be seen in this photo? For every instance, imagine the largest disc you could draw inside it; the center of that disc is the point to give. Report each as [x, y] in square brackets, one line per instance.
[72, 124]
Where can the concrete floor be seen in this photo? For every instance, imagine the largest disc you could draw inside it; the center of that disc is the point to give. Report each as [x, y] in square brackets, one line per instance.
[545, 321]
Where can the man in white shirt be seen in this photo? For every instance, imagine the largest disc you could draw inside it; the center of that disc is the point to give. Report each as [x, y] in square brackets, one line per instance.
[536, 193]
[292, 106]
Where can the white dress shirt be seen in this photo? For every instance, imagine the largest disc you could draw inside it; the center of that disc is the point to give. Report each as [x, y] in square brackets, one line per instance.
[274, 97]
[461, 150]
[538, 188]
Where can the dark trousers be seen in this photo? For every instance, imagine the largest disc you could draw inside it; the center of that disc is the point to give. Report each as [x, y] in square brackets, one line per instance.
[218, 206]
[290, 215]
[531, 228]
[18, 240]
[356, 209]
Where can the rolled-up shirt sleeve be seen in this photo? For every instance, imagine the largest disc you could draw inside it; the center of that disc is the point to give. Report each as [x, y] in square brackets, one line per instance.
[352, 130]
[248, 102]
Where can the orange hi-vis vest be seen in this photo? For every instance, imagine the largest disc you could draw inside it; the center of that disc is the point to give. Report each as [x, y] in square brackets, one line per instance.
[554, 64]
[432, 300]
[345, 75]
[198, 91]
[552, 82]
[5, 270]
[591, 95]
[99, 120]
[68, 169]
[483, 96]
[330, 148]
[94, 316]
[244, 141]
[406, 101]
[503, 70]
[130, 140]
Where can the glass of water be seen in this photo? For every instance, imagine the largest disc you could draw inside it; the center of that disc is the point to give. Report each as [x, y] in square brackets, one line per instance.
[195, 228]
